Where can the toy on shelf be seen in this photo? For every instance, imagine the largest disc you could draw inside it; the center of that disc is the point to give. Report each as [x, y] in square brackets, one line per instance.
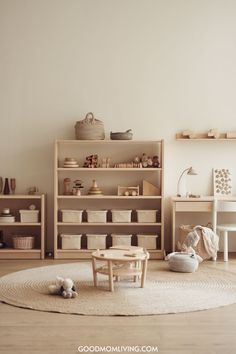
[6, 216]
[128, 191]
[231, 135]
[13, 185]
[77, 186]
[67, 186]
[91, 161]
[32, 190]
[213, 133]
[70, 162]
[144, 160]
[137, 162]
[106, 162]
[155, 161]
[94, 190]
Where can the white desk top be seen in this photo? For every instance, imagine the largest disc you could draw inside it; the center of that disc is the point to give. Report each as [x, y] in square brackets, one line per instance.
[209, 198]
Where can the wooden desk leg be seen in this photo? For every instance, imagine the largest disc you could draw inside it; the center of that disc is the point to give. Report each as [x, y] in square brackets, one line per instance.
[95, 276]
[111, 285]
[173, 225]
[144, 272]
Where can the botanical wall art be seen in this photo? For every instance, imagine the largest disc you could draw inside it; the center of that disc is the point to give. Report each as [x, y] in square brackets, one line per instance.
[222, 181]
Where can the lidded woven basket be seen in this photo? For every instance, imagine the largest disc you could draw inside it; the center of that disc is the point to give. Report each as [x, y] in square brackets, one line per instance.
[89, 128]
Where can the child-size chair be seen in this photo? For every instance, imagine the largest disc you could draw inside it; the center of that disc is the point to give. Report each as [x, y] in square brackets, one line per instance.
[224, 206]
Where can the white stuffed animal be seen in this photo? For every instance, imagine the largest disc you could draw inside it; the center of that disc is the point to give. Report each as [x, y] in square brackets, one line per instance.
[64, 287]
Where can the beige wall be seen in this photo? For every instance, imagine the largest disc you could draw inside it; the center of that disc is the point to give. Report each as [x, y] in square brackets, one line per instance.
[156, 66]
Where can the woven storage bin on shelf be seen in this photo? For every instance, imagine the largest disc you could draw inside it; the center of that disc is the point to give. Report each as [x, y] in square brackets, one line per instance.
[89, 128]
[23, 242]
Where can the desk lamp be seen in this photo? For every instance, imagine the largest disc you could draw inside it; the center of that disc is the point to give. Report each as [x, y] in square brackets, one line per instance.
[182, 185]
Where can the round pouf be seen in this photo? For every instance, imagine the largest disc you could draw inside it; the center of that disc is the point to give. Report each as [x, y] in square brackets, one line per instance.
[183, 262]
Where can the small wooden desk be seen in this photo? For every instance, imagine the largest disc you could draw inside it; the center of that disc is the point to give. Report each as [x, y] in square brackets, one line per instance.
[192, 205]
[187, 205]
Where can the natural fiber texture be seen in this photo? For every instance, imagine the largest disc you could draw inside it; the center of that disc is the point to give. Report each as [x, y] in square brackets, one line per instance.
[164, 292]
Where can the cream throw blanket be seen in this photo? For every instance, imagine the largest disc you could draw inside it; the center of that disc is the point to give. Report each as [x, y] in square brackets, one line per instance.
[204, 241]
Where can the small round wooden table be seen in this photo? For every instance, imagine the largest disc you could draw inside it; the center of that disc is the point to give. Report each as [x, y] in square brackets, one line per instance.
[118, 263]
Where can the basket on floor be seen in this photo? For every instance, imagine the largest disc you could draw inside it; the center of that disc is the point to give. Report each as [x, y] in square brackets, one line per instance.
[23, 242]
[200, 247]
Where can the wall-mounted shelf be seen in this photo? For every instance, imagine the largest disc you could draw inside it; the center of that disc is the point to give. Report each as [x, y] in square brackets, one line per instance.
[203, 136]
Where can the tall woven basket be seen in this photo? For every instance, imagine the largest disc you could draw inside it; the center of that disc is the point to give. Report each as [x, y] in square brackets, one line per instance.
[89, 128]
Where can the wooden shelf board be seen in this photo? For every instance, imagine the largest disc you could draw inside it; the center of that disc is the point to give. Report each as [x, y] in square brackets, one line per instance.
[204, 137]
[20, 224]
[10, 253]
[109, 224]
[20, 196]
[109, 197]
[111, 169]
[108, 141]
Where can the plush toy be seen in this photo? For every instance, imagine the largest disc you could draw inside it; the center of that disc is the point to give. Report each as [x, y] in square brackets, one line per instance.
[63, 287]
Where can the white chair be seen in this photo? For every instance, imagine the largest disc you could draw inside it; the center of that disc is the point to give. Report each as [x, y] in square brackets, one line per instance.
[224, 206]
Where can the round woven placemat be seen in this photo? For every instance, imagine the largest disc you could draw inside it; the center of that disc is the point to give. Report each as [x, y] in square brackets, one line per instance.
[165, 291]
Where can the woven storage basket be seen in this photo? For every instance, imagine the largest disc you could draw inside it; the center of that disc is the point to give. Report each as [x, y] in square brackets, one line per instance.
[200, 247]
[23, 242]
[89, 128]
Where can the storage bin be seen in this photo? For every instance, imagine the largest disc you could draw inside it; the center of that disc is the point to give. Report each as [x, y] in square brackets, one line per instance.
[29, 215]
[23, 242]
[96, 216]
[71, 215]
[121, 240]
[96, 241]
[121, 215]
[70, 242]
[147, 241]
[146, 215]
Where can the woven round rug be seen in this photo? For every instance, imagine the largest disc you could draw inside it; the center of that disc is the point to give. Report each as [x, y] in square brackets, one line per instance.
[164, 292]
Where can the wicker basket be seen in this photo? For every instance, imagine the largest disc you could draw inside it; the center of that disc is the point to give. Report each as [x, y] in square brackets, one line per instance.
[23, 242]
[89, 128]
[200, 247]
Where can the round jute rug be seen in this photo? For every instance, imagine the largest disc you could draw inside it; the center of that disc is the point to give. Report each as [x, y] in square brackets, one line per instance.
[165, 291]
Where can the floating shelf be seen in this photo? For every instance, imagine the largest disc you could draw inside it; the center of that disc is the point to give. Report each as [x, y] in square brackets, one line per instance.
[204, 136]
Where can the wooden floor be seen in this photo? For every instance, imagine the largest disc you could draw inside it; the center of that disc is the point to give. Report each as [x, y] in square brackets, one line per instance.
[32, 332]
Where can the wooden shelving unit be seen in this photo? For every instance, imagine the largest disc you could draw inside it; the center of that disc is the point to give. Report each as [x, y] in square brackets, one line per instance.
[108, 180]
[37, 229]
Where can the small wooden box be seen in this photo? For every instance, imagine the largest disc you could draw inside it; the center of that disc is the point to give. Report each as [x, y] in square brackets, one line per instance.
[128, 191]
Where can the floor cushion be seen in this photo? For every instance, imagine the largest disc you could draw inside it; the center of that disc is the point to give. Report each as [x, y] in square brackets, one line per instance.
[183, 262]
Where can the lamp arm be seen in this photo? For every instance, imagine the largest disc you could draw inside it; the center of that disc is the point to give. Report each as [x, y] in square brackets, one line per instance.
[187, 169]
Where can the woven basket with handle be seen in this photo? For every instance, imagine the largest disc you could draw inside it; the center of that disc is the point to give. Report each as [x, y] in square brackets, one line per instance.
[89, 128]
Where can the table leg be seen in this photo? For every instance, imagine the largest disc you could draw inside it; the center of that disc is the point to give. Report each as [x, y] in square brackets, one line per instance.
[110, 270]
[137, 266]
[95, 277]
[144, 272]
